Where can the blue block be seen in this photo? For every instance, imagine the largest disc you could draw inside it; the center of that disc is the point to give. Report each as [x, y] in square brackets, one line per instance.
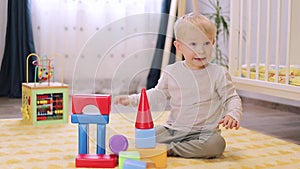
[101, 129]
[145, 138]
[134, 164]
[83, 139]
[89, 119]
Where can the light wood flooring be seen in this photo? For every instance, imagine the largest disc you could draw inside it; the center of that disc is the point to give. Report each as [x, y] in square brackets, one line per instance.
[273, 119]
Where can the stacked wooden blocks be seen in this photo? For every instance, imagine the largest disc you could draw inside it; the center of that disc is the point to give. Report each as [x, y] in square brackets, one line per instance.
[100, 159]
[146, 152]
[154, 155]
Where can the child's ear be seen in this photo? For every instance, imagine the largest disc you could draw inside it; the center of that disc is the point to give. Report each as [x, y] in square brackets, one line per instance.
[177, 45]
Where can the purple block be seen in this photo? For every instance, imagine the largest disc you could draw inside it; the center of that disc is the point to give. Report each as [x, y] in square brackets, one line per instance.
[118, 143]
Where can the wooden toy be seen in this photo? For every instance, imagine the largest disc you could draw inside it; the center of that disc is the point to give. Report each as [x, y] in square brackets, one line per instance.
[83, 133]
[96, 160]
[118, 143]
[144, 118]
[89, 119]
[145, 138]
[102, 102]
[144, 128]
[123, 155]
[146, 148]
[84, 159]
[44, 102]
[155, 157]
[134, 164]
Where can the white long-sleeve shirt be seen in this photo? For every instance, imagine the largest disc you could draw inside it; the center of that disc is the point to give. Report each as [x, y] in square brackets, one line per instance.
[198, 98]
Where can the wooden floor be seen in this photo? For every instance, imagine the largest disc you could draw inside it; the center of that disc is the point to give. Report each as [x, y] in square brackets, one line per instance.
[277, 120]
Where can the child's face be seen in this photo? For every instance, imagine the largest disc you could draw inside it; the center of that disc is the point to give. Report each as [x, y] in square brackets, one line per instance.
[196, 48]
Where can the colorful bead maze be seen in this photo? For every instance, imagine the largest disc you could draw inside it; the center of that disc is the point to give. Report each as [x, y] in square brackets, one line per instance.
[44, 102]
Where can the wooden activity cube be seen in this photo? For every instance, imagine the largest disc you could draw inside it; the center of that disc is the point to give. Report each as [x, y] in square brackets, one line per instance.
[44, 103]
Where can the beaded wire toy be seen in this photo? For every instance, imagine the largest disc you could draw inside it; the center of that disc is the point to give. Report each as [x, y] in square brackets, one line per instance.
[43, 68]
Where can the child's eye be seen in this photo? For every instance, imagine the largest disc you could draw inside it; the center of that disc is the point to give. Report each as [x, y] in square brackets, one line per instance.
[193, 43]
[207, 43]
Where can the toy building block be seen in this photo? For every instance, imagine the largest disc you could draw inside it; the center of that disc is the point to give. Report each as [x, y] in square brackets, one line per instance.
[153, 156]
[144, 132]
[83, 122]
[118, 143]
[96, 161]
[101, 133]
[102, 102]
[134, 164]
[79, 101]
[145, 138]
[144, 118]
[83, 141]
[123, 155]
[89, 119]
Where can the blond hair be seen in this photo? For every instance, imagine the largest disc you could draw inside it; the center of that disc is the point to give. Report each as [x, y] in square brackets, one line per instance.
[198, 21]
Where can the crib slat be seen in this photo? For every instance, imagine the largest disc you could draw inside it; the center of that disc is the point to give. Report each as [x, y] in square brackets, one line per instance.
[234, 37]
[267, 61]
[249, 38]
[278, 27]
[287, 64]
[241, 37]
[258, 39]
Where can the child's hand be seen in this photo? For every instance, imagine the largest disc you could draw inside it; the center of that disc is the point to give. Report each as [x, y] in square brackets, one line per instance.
[229, 122]
[123, 99]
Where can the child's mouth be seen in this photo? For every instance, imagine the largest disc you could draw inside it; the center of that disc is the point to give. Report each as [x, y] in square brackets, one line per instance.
[199, 59]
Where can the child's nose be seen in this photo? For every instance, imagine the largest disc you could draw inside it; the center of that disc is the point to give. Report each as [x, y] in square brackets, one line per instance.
[199, 49]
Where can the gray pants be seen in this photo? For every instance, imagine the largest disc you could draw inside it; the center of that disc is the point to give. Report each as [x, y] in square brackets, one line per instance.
[198, 144]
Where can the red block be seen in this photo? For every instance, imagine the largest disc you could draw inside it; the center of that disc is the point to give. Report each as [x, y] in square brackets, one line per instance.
[144, 118]
[96, 161]
[102, 102]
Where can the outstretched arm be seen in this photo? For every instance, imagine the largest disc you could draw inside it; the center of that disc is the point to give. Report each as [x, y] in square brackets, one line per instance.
[122, 99]
[154, 95]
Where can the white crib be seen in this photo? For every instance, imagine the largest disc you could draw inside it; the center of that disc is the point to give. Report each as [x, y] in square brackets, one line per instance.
[264, 47]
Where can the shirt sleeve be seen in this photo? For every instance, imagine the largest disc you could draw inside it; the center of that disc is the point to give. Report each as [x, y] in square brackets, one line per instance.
[155, 95]
[230, 99]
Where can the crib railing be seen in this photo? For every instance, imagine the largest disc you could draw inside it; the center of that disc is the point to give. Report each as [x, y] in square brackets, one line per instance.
[264, 47]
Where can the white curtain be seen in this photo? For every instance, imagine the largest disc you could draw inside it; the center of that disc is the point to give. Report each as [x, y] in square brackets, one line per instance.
[105, 45]
[3, 20]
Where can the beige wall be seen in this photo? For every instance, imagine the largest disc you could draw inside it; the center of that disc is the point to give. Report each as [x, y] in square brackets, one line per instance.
[295, 33]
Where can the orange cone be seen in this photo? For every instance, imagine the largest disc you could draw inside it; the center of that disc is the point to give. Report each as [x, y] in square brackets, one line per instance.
[144, 118]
